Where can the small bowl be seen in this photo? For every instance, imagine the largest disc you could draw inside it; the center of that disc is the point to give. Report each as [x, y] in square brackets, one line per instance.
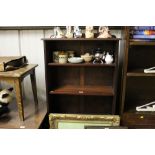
[75, 60]
[87, 58]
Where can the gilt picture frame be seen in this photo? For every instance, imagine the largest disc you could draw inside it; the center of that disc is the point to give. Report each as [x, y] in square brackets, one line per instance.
[79, 121]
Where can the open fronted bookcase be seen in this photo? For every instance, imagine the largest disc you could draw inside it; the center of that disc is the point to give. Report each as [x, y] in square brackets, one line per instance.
[83, 88]
[138, 87]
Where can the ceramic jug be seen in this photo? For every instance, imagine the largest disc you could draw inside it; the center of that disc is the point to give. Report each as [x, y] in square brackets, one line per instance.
[109, 58]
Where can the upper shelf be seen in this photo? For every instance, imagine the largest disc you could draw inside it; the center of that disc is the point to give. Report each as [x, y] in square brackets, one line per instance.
[82, 65]
[81, 39]
[142, 42]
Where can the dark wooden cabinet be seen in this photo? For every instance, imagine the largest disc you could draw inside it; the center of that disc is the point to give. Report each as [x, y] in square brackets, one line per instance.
[83, 88]
[138, 87]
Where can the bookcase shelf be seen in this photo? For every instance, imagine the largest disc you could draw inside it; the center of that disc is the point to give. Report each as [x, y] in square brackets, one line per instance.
[84, 90]
[134, 42]
[138, 87]
[139, 72]
[82, 65]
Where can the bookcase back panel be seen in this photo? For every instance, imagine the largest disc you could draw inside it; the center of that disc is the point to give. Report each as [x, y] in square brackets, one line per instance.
[141, 57]
[98, 105]
[81, 104]
[79, 47]
[90, 46]
[66, 76]
[99, 76]
[139, 91]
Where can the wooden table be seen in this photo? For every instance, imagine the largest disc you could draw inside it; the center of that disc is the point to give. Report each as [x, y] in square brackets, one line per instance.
[16, 77]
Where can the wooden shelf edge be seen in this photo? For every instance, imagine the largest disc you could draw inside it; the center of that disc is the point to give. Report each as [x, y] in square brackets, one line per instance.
[82, 65]
[96, 91]
[134, 112]
[81, 39]
[139, 72]
[49, 27]
[141, 42]
[84, 94]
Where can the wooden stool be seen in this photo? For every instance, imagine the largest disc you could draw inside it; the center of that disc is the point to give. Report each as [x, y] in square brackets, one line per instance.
[16, 77]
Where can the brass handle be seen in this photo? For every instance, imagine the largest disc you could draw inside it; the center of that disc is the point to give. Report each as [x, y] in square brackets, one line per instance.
[141, 117]
[81, 92]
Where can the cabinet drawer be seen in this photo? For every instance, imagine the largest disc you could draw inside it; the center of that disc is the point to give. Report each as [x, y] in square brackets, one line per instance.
[138, 119]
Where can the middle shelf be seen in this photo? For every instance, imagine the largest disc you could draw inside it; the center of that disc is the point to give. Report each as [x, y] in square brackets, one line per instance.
[82, 65]
[139, 72]
[84, 90]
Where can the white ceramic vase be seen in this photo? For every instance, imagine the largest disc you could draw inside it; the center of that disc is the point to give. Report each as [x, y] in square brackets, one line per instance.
[108, 58]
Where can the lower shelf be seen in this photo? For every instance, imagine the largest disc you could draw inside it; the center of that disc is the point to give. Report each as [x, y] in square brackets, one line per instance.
[84, 90]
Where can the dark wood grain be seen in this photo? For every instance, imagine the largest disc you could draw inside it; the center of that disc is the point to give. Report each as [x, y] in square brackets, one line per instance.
[85, 87]
[81, 39]
[139, 72]
[139, 120]
[84, 90]
[134, 42]
[47, 27]
[82, 65]
[75, 104]
[138, 87]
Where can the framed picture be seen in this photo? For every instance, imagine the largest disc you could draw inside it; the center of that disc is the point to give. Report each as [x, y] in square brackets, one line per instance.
[79, 121]
[105, 127]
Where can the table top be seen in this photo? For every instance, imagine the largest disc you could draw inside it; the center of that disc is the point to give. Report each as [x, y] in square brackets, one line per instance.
[18, 72]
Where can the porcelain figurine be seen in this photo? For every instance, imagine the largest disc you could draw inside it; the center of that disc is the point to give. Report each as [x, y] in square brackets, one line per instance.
[69, 33]
[77, 32]
[104, 32]
[98, 57]
[149, 70]
[146, 107]
[89, 32]
[57, 33]
[6, 96]
[108, 58]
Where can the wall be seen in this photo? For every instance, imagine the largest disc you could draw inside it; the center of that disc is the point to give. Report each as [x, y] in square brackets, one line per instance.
[29, 43]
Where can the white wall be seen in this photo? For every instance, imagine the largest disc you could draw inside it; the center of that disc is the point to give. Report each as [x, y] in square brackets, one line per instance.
[29, 43]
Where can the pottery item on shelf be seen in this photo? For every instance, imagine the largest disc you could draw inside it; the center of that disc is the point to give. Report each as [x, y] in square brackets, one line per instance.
[108, 58]
[71, 54]
[75, 60]
[87, 57]
[104, 32]
[57, 33]
[98, 57]
[77, 32]
[89, 32]
[103, 56]
[56, 56]
[63, 57]
[69, 33]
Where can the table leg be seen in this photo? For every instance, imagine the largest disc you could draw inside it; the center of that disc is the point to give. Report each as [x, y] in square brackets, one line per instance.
[34, 88]
[19, 98]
